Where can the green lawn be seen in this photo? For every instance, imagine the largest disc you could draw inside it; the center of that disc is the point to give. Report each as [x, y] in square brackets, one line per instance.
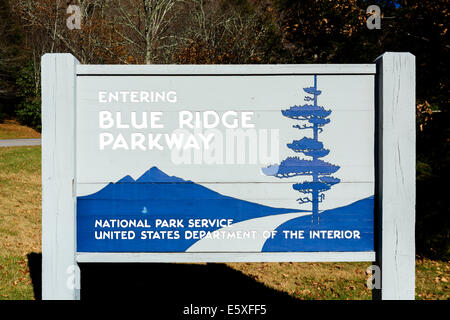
[20, 235]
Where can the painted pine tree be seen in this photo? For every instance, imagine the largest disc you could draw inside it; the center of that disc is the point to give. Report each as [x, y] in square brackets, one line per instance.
[313, 117]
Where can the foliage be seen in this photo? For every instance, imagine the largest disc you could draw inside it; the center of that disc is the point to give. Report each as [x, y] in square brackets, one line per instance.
[432, 209]
[28, 111]
[227, 32]
[3, 116]
[11, 57]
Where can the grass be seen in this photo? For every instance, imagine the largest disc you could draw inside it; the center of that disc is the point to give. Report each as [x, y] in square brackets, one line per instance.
[20, 235]
[432, 279]
[342, 281]
[308, 281]
[15, 280]
[20, 218]
[11, 129]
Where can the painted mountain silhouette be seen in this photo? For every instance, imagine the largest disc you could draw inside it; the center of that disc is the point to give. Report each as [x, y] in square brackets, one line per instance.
[355, 216]
[156, 195]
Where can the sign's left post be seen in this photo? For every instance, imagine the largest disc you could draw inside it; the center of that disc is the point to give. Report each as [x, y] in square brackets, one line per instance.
[60, 272]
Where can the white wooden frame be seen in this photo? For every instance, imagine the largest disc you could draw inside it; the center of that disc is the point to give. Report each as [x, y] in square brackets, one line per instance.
[395, 185]
[58, 177]
[242, 69]
[396, 195]
[227, 257]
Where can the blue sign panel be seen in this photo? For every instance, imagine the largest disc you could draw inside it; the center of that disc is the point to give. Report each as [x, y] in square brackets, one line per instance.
[225, 164]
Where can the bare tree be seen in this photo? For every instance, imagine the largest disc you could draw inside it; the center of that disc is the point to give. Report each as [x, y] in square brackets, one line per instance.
[147, 31]
[223, 32]
[144, 26]
[95, 42]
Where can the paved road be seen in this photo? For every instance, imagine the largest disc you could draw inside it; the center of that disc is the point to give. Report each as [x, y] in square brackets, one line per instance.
[19, 142]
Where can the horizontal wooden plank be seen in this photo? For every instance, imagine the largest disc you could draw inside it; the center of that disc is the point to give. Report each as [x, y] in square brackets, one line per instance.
[277, 190]
[238, 93]
[204, 173]
[228, 257]
[276, 195]
[259, 111]
[272, 69]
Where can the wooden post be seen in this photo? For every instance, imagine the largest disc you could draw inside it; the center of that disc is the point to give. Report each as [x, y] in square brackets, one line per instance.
[396, 175]
[60, 276]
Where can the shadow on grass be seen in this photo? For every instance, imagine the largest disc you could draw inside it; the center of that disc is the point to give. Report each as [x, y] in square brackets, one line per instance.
[162, 284]
[35, 266]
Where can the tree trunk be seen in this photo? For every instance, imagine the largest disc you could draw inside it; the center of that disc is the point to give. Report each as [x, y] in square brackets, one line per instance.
[148, 31]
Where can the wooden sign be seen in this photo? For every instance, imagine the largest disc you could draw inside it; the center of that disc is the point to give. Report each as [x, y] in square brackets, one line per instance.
[170, 163]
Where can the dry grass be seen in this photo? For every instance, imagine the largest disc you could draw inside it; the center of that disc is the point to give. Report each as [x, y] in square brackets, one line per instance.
[342, 281]
[20, 201]
[11, 129]
[311, 280]
[432, 279]
[20, 218]
[20, 221]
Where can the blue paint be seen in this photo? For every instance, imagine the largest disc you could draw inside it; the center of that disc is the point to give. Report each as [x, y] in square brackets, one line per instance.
[156, 195]
[356, 216]
[319, 170]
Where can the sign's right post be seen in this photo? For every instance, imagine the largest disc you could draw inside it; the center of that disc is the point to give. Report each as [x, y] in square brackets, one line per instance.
[396, 175]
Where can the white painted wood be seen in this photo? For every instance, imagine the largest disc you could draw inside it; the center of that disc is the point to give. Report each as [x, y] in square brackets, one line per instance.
[396, 187]
[291, 69]
[350, 97]
[58, 174]
[256, 244]
[227, 257]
